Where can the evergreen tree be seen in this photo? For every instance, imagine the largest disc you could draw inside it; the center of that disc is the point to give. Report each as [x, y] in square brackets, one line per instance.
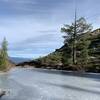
[4, 48]
[72, 32]
[3, 55]
[83, 57]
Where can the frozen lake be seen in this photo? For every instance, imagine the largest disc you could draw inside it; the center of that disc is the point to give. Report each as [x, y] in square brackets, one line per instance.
[38, 84]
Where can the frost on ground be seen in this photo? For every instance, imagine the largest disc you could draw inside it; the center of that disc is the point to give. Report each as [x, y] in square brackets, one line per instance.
[36, 84]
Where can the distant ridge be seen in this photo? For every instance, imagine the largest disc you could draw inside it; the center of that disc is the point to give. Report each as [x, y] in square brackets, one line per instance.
[17, 60]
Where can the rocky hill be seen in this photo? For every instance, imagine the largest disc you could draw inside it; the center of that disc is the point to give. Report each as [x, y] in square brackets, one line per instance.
[56, 60]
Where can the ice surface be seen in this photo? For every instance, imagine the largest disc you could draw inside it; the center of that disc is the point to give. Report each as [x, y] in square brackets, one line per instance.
[37, 84]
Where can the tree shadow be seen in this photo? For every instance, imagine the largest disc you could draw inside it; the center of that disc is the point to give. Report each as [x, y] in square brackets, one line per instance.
[73, 88]
[95, 76]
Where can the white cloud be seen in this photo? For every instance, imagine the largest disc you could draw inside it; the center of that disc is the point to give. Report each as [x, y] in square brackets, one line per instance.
[38, 22]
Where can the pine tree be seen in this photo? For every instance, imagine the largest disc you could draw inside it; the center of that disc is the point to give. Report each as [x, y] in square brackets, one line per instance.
[83, 57]
[4, 55]
[72, 31]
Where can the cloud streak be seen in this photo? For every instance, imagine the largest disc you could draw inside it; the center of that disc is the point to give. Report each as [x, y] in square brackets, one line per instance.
[42, 44]
[33, 26]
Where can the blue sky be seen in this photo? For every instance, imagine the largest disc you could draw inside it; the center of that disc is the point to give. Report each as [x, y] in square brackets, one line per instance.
[32, 27]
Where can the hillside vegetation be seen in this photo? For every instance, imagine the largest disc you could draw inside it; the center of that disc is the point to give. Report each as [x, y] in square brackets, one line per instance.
[61, 59]
[5, 63]
[81, 50]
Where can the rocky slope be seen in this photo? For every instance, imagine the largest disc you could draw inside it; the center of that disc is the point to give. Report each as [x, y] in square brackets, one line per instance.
[55, 59]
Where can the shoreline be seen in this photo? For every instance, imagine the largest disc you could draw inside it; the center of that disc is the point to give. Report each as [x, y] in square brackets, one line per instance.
[49, 70]
[56, 70]
[3, 72]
